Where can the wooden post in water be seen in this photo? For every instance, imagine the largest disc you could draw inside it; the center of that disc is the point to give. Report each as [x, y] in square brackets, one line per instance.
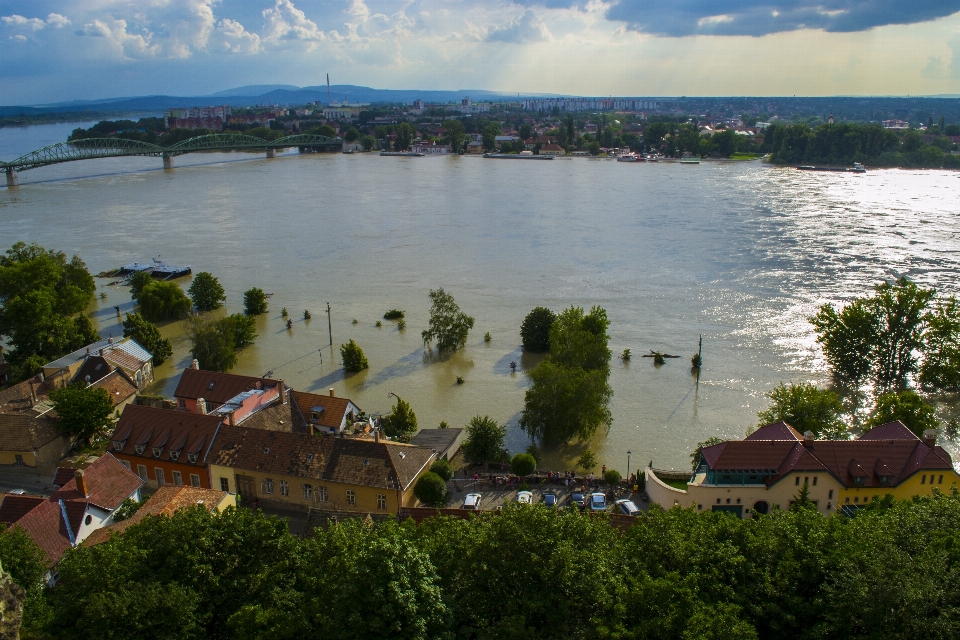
[329, 324]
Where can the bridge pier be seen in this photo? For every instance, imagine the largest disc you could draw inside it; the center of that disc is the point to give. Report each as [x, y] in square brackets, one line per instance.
[168, 162]
[12, 179]
[271, 153]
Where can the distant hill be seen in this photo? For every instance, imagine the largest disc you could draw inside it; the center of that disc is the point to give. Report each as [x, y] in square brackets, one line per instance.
[252, 95]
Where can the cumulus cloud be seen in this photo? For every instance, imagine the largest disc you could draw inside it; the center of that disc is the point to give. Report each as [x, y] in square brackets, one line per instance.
[57, 21]
[34, 24]
[124, 43]
[234, 38]
[528, 28]
[285, 22]
[954, 43]
[762, 17]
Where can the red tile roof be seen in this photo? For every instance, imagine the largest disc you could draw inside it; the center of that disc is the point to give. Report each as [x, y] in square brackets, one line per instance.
[217, 387]
[330, 410]
[776, 431]
[15, 507]
[108, 482]
[26, 425]
[62, 476]
[119, 387]
[175, 433]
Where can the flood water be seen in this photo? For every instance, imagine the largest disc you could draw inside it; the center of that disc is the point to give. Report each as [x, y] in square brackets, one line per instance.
[738, 252]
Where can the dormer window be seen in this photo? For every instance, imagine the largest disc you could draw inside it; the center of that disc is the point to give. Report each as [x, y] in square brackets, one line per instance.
[118, 445]
[157, 451]
[314, 416]
[192, 457]
[174, 455]
[886, 480]
[210, 386]
[858, 480]
[140, 448]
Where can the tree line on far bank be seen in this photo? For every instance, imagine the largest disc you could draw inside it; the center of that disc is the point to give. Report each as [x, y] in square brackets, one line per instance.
[527, 572]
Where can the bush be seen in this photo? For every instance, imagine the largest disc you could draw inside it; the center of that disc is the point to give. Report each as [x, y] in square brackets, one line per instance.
[147, 334]
[138, 281]
[401, 325]
[487, 337]
[431, 490]
[393, 314]
[625, 356]
[535, 330]
[523, 464]
[612, 477]
[484, 442]
[353, 357]
[206, 292]
[443, 469]
[254, 302]
[401, 424]
[161, 300]
[126, 509]
[460, 380]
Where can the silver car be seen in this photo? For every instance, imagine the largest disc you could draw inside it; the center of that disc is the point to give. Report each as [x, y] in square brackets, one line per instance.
[472, 501]
[627, 508]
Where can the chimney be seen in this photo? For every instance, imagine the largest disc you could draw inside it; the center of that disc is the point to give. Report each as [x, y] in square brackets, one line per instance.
[201, 406]
[110, 340]
[376, 435]
[930, 438]
[311, 429]
[100, 353]
[331, 392]
[230, 419]
[808, 438]
[88, 350]
[81, 478]
[33, 394]
[283, 398]
[195, 364]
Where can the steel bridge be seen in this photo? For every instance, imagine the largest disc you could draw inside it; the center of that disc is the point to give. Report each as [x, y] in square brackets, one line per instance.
[118, 147]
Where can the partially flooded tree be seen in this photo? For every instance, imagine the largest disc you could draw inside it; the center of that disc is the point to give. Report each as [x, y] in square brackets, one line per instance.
[448, 326]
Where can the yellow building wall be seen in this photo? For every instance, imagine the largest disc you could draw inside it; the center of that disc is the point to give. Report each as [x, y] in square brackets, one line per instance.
[365, 497]
[705, 497]
[10, 457]
[916, 485]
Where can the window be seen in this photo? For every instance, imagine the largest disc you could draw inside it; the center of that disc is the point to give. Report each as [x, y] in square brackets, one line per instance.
[174, 455]
[858, 481]
[268, 485]
[117, 445]
[224, 484]
[814, 480]
[19, 460]
[351, 498]
[923, 479]
[160, 479]
[940, 480]
[139, 448]
[830, 494]
[194, 480]
[125, 463]
[284, 488]
[381, 502]
[142, 472]
[192, 457]
[88, 520]
[210, 386]
[321, 494]
[156, 451]
[177, 478]
[183, 403]
[314, 416]
[797, 481]
[307, 492]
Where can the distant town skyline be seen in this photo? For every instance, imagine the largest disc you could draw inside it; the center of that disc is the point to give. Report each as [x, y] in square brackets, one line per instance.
[59, 50]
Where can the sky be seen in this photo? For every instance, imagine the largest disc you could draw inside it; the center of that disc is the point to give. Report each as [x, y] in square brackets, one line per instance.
[59, 50]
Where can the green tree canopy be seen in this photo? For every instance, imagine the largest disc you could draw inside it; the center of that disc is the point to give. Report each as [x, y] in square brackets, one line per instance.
[42, 297]
[908, 408]
[580, 341]
[352, 135]
[353, 357]
[84, 411]
[453, 134]
[535, 330]
[213, 343]
[254, 302]
[401, 424]
[940, 368]
[442, 468]
[25, 562]
[323, 130]
[564, 403]
[206, 292]
[806, 408]
[523, 464]
[162, 300]
[484, 441]
[448, 325]
[431, 489]
[148, 335]
[405, 133]
[138, 281]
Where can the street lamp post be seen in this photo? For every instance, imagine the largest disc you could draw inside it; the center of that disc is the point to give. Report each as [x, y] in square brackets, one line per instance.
[629, 453]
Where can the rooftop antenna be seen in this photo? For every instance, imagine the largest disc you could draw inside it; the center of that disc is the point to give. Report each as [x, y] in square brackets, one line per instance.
[328, 89]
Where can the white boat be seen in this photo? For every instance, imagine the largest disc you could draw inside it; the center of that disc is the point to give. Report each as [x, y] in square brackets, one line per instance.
[689, 160]
[628, 157]
[653, 157]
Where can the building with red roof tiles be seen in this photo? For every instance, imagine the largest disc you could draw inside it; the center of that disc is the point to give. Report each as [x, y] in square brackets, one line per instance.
[80, 507]
[224, 392]
[768, 469]
[164, 446]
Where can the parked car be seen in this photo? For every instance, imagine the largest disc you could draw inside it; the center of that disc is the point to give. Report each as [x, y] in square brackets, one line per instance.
[472, 501]
[576, 499]
[550, 500]
[598, 502]
[524, 497]
[627, 508]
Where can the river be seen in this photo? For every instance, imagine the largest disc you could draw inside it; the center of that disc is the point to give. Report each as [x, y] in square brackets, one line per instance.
[738, 252]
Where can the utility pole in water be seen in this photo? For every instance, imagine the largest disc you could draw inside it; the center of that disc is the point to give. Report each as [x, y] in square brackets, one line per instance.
[329, 324]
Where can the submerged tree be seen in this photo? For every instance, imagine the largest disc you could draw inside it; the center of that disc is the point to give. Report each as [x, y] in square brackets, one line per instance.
[908, 408]
[353, 357]
[806, 408]
[161, 300]
[535, 330]
[401, 423]
[148, 335]
[254, 302]
[206, 292]
[448, 325]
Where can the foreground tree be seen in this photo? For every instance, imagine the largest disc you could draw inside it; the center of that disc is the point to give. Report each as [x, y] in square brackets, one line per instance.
[535, 330]
[25, 563]
[353, 357]
[42, 297]
[908, 408]
[941, 364]
[161, 300]
[206, 292]
[484, 441]
[448, 325]
[83, 411]
[806, 408]
[148, 335]
[254, 302]
[401, 424]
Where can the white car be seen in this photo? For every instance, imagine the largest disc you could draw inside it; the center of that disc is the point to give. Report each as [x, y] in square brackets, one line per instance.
[597, 502]
[524, 497]
[472, 501]
[627, 507]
